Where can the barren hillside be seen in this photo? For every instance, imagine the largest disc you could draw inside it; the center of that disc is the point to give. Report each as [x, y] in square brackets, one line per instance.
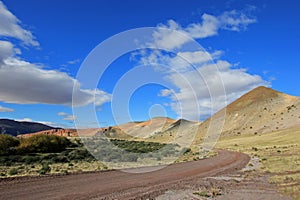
[261, 110]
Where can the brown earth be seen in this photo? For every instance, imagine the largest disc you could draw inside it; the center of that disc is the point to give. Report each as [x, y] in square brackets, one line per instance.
[118, 184]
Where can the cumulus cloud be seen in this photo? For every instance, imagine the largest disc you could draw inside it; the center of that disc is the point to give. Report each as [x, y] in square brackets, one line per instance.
[66, 116]
[41, 122]
[167, 37]
[69, 118]
[180, 61]
[209, 27]
[61, 114]
[6, 50]
[207, 85]
[10, 26]
[71, 62]
[166, 92]
[203, 81]
[235, 20]
[4, 109]
[22, 82]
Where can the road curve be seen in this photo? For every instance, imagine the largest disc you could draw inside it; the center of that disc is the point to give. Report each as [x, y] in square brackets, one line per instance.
[100, 185]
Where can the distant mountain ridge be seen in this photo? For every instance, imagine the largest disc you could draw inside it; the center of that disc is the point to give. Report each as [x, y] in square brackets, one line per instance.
[12, 127]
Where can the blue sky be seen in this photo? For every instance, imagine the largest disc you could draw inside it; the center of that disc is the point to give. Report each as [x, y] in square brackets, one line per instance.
[44, 43]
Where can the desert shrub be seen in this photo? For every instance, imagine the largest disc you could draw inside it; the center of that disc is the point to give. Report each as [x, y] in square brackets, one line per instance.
[43, 144]
[59, 159]
[8, 160]
[255, 148]
[186, 150]
[13, 171]
[8, 144]
[80, 154]
[7, 163]
[45, 169]
[28, 159]
[138, 146]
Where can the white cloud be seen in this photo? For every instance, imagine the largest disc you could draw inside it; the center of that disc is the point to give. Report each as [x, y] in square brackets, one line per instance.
[69, 118]
[235, 21]
[199, 57]
[41, 122]
[209, 27]
[72, 62]
[182, 61]
[168, 37]
[6, 50]
[204, 88]
[173, 36]
[66, 116]
[25, 83]
[61, 114]
[204, 85]
[4, 109]
[22, 82]
[166, 92]
[24, 120]
[10, 26]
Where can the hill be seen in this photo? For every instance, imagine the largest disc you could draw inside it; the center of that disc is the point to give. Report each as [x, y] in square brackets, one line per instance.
[15, 128]
[259, 111]
[158, 129]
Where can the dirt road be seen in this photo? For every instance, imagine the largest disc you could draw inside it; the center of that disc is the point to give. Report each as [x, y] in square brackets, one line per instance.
[117, 184]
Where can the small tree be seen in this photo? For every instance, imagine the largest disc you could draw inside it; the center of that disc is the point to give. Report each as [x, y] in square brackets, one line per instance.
[43, 144]
[8, 144]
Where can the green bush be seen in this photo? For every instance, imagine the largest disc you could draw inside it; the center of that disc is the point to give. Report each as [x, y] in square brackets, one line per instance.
[8, 144]
[59, 159]
[45, 169]
[137, 146]
[13, 171]
[43, 144]
[78, 154]
[31, 159]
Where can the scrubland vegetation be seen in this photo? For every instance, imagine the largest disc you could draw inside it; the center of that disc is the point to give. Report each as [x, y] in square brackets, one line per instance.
[44, 154]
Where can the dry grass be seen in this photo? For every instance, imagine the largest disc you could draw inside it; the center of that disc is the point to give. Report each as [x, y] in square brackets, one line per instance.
[61, 168]
[278, 152]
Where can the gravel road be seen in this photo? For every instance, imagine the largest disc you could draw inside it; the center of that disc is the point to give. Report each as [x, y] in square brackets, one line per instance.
[118, 184]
